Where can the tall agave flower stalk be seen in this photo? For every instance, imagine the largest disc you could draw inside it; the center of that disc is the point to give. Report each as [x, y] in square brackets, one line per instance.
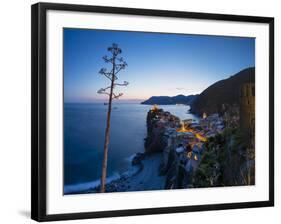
[117, 64]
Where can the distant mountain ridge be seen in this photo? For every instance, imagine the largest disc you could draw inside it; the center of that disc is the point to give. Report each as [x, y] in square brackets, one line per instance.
[225, 91]
[170, 100]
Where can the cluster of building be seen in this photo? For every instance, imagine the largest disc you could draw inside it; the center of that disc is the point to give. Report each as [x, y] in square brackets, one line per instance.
[185, 139]
[209, 125]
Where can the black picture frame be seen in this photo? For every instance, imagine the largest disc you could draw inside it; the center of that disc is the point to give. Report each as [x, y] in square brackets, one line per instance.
[39, 122]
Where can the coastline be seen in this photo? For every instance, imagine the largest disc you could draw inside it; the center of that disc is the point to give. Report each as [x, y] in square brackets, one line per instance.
[173, 151]
[138, 177]
[146, 169]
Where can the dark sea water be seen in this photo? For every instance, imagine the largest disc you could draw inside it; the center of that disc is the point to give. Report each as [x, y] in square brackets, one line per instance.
[84, 130]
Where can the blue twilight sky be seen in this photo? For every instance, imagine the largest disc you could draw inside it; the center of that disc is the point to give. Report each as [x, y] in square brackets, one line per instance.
[158, 64]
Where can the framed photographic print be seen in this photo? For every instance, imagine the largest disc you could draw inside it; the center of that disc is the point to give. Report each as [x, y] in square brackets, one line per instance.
[138, 111]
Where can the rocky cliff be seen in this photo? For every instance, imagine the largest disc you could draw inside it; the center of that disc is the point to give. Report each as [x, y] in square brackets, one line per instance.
[156, 140]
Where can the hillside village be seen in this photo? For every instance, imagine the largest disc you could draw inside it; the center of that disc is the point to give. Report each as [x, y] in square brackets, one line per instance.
[217, 149]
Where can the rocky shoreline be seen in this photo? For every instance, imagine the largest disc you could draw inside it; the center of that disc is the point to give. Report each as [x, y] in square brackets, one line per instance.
[146, 171]
[123, 184]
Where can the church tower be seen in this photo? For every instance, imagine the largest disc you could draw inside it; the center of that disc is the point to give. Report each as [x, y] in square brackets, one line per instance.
[247, 107]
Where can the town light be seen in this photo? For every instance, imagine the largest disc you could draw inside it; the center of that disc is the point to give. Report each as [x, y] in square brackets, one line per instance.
[183, 128]
[154, 108]
[204, 115]
[200, 137]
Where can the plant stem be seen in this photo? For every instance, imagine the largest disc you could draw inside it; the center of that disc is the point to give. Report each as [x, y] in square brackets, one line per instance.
[107, 132]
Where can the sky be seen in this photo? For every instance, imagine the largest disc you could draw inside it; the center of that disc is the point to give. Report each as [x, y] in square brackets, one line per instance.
[158, 64]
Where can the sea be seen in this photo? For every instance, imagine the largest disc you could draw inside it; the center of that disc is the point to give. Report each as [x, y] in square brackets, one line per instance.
[84, 131]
